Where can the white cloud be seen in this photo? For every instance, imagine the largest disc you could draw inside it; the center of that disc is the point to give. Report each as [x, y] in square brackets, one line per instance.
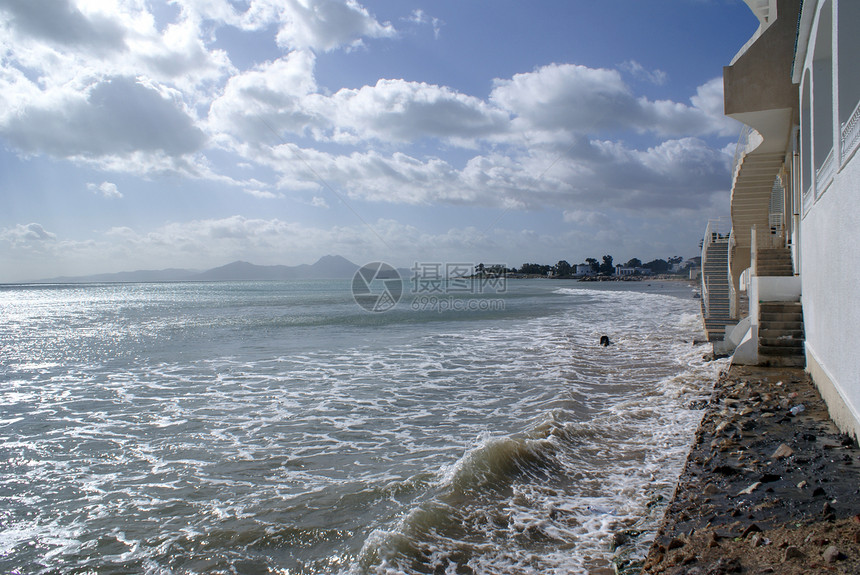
[117, 116]
[327, 24]
[105, 189]
[577, 99]
[31, 234]
[422, 18]
[266, 99]
[638, 71]
[319, 202]
[263, 194]
[396, 110]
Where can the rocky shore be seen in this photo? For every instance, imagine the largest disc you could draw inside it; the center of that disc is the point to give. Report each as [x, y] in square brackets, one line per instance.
[770, 485]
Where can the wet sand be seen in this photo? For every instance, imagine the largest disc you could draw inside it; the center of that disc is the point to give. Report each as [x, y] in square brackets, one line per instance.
[770, 485]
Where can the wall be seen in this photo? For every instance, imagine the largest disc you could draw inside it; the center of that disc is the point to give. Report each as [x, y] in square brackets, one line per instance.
[830, 252]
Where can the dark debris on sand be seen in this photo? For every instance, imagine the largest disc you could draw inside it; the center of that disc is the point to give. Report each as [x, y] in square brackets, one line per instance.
[770, 485]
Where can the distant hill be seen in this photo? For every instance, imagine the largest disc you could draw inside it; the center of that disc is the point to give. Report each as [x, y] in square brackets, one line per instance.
[327, 267]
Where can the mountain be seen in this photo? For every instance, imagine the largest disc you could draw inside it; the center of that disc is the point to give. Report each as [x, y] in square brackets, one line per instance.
[327, 267]
[166, 275]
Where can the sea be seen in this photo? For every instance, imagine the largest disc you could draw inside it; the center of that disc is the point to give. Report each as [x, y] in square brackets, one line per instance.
[281, 427]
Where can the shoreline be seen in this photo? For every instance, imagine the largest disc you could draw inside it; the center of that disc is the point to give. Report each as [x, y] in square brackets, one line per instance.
[770, 485]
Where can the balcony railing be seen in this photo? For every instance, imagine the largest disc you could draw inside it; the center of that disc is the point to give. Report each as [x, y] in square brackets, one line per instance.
[851, 134]
[824, 174]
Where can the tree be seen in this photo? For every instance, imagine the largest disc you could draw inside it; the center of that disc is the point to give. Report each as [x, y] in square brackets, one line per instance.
[563, 269]
[633, 263]
[479, 269]
[595, 267]
[657, 266]
[606, 268]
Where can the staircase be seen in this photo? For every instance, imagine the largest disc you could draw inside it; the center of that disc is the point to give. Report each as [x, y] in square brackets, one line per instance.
[780, 338]
[773, 262]
[715, 307]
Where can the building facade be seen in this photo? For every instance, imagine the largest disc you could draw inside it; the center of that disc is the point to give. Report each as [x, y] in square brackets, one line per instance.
[795, 203]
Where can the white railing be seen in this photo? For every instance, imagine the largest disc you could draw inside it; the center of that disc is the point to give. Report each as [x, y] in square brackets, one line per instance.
[824, 174]
[733, 295]
[741, 149]
[851, 134]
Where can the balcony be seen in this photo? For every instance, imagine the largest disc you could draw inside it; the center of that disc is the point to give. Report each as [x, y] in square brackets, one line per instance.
[758, 92]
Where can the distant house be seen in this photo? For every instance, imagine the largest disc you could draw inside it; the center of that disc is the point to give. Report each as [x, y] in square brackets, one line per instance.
[621, 270]
[581, 270]
[794, 201]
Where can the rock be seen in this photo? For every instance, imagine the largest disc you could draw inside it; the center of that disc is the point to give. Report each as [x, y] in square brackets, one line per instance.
[792, 552]
[832, 554]
[798, 409]
[725, 566]
[725, 470]
[782, 452]
[756, 540]
[711, 489]
[750, 489]
[803, 484]
[751, 528]
[677, 543]
[713, 540]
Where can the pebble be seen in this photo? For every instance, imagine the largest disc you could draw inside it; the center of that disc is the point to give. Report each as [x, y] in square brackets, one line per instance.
[832, 554]
[782, 451]
[750, 489]
[792, 552]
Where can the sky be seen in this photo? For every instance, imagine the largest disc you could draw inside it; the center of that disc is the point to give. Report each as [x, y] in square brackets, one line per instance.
[152, 134]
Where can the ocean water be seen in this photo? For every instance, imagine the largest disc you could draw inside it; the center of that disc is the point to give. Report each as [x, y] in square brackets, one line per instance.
[277, 427]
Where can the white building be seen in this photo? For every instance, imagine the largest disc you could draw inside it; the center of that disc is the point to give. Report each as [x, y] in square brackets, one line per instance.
[796, 195]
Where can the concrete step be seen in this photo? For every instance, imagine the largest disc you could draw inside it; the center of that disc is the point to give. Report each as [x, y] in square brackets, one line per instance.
[769, 332]
[780, 342]
[781, 327]
[779, 350]
[781, 361]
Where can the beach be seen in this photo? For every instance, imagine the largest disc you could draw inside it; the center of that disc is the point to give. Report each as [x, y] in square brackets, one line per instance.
[769, 486]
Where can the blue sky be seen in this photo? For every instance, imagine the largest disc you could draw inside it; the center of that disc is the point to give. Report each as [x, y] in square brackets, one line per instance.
[147, 134]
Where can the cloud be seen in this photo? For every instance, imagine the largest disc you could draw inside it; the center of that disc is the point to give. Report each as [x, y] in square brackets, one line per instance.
[639, 72]
[269, 98]
[396, 110]
[420, 17]
[106, 189]
[61, 22]
[263, 195]
[578, 99]
[326, 25]
[29, 238]
[114, 117]
[319, 202]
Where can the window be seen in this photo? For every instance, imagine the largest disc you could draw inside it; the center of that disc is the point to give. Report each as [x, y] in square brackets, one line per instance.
[848, 46]
[822, 99]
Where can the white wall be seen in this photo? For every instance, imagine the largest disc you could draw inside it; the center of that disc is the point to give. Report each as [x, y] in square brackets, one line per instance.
[830, 252]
